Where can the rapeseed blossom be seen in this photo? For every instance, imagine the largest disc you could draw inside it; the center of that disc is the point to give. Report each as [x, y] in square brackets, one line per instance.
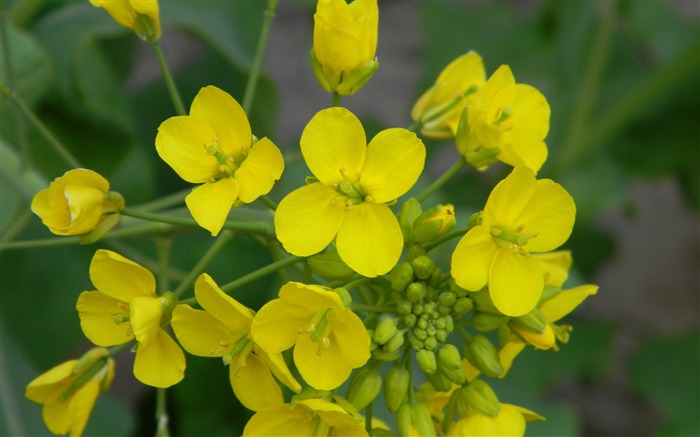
[125, 307]
[522, 215]
[509, 421]
[69, 391]
[438, 110]
[141, 16]
[348, 202]
[329, 339]
[77, 203]
[214, 147]
[223, 330]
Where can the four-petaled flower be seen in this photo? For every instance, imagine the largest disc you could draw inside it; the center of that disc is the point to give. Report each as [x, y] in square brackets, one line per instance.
[214, 146]
[223, 330]
[125, 307]
[522, 215]
[348, 203]
[508, 422]
[329, 339]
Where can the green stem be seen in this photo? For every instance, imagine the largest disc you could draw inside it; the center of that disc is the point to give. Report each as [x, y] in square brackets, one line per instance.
[268, 202]
[336, 100]
[276, 256]
[118, 348]
[446, 237]
[260, 273]
[17, 224]
[463, 332]
[259, 227]
[162, 418]
[41, 127]
[164, 202]
[372, 308]
[221, 241]
[9, 74]
[442, 179]
[259, 52]
[355, 283]
[169, 82]
[414, 127]
[163, 244]
[368, 419]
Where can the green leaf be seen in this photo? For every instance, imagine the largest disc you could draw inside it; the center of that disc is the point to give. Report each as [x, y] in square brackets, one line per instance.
[32, 71]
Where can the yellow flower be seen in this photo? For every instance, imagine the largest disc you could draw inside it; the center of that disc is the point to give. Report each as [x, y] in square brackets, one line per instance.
[214, 146]
[69, 391]
[141, 16]
[522, 215]
[77, 203]
[506, 122]
[125, 307]
[510, 421]
[355, 181]
[329, 339]
[308, 417]
[345, 41]
[438, 109]
[223, 330]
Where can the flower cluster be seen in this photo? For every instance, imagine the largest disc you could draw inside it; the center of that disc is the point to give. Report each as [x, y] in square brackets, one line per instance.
[369, 291]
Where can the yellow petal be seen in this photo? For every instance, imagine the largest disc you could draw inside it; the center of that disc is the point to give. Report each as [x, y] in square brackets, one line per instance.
[41, 387]
[549, 215]
[531, 155]
[276, 326]
[81, 176]
[515, 283]
[161, 363]
[211, 202]
[509, 198]
[351, 335]
[566, 301]
[528, 415]
[220, 305]
[150, 9]
[369, 239]
[146, 313]
[86, 205]
[199, 332]
[508, 352]
[544, 340]
[97, 313]
[55, 216]
[308, 218]
[342, 423]
[472, 259]
[120, 10]
[259, 171]
[323, 371]
[119, 277]
[81, 405]
[311, 297]
[56, 414]
[275, 362]
[394, 161]
[280, 420]
[508, 423]
[555, 266]
[182, 143]
[254, 385]
[334, 141]
[530, 118]
[225, 116]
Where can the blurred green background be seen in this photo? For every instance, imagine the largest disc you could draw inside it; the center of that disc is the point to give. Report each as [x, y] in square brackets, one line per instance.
[623, 82]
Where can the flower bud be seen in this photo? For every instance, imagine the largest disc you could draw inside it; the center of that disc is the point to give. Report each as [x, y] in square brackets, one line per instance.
[456, 289]
[410, 210]
[450, 412]
[426, 361]
[447, 298]
[448, 356]
[421, 420]
[404, 307]
[483, 303]
[434, 223]
[396, 384]
[484, 322]
[364, 388]
[415, 292]
[414, 251]
[423, 267]
[462, 306]
[385, 356]
[410, 319]
[394, 343]
[482, 354]
[430, 343]
[439, 381]
[474, 220]
[355, 79]
[329, 265]
[140, 16]
[534, 321]
[435, 277]
[401, 276]
[385, 329]
[478, 396]
[403, 421]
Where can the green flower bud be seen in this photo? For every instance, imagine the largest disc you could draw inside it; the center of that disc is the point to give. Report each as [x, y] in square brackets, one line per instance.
[394, 343]
[426, 361]
[430, 343]
[456, 289]
[414, 341]
[448, 356]
[450, 412]
[534, 321]
[439, 381]
[474, 220]
[478, 396]
[434, 223]
[409, 319]
[403, 421]
[447, 298]
[414, 251]
[355, 79]
[444, 310]
[364, 387]
[382, 355]
[420, 333]
[404, 307]
[462, 306]
[396, 384]
[483, 355]
[441, 335]
[418, 309]
[423, 267]
[484, 322]
[385, 330]
[421, 420]
[401, 276]
[429, 292]
[435, 277]
[344, 296]
[483, 303]
[456, 376]
[415, 291]
[330, 266]
[431, 330]
[449, 324]
[430, 307]
[410, 210]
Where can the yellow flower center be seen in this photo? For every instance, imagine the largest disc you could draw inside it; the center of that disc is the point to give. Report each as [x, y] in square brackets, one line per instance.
[238, 357]
[320, 328]
[228, 164]
[509, 239]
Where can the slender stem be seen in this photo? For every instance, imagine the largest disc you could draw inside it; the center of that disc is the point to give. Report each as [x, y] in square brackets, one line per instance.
[372, 308]
[163, 244]
[162, 418]
[276, 256]
[260, 273]
[118, 348]
[164, 202]
[442, 179]
[414, 127]
[268, 202]
[368, 418]
[336, 100]
[9, 74]
[41, 127]
[17, 224]
[446, 237]
[356, 283]
[259, 52]
[259, 227]
[463, 332]
[221, 241]
[169, 82]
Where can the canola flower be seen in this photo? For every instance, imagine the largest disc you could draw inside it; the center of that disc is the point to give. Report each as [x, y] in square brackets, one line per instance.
[438, 110]
[77, 203]
[125, 307]
[348, 200]
[223, 330]
[141, 16]
[509, 421]
[505, 122]
[213, 146]
[329, 339]
[522, 215]
[69, 391]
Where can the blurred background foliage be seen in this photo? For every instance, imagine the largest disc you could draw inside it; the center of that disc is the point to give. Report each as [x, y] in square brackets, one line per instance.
[623, 82]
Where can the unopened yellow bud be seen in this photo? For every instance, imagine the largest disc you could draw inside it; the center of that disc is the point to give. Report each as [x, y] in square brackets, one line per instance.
[434, 223]
[482, 354]
[364, 388]
[329, 265]
[396, 384]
